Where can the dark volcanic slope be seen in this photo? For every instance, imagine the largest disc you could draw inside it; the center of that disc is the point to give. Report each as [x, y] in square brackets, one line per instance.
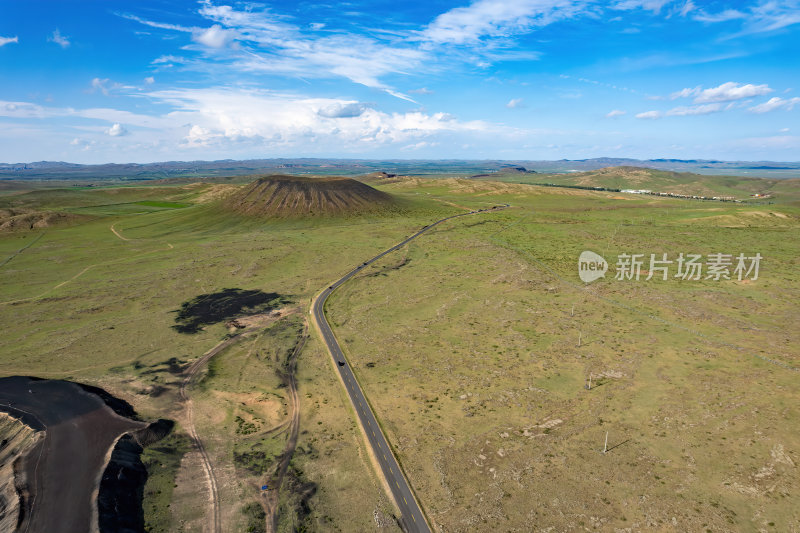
[62, 470]
[289, 196]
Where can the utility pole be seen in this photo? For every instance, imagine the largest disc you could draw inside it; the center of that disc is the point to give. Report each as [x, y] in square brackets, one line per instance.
[572, 313]
[580, 334]
[605, 446]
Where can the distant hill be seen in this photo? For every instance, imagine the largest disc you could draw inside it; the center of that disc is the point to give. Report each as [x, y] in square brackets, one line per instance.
[505, 171]
[665, 181]
[49, 170]
[299, 196]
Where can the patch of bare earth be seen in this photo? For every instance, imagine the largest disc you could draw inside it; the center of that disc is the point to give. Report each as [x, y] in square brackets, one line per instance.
[28, 219]
[15, 440]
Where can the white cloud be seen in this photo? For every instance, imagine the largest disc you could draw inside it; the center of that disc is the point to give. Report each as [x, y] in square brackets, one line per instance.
[421, 90]
[271, 45]
[687, 8]
[104, 85]
[724, 93]
[168, 59]
[775, 103]
[497, 18]
[722, 16]
[221, 116]
[61, 40]
[683, 93]
[515, 103]
[682, 111]
[343, 110]
[117, 130]
[84, 144]
[28, 110]
[159, 25]
[704, 109]
[651, 115]
[7, 40]
[764, 16]
[418, 146]
[615, 113]
[149, 80]
[652, 5]
[214, 37]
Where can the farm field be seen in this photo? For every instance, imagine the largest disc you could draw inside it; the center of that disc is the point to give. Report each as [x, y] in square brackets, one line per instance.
[473, 344]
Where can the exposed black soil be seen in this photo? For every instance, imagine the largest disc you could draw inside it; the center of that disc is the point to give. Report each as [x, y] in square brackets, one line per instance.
[58, 478]
[224, 305]
[119, 502]
[296, 196]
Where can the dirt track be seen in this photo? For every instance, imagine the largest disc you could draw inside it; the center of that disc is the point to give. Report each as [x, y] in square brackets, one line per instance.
[64, 468]
[290, 379]
[211, 479]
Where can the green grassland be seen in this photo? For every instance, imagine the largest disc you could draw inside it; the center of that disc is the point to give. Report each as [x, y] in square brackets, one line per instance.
[784, 191]
[83, 303]
[493, 423]
[466, 342]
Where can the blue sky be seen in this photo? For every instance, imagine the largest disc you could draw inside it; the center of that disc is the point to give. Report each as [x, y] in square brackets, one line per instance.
[94, 81]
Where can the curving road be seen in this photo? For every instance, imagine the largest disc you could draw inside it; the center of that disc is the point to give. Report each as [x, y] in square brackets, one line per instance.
[411, 514]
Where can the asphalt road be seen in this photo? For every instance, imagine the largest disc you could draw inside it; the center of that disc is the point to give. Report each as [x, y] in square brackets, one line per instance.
[411, 515]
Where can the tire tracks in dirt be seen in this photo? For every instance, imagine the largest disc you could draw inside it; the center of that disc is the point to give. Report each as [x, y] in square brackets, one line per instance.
[289, 377]
[208, 470]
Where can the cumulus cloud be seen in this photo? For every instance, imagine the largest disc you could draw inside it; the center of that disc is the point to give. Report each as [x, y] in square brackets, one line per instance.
[214, 37]
[8, 40]
[149, 80]
[615, 113]
[724, 93]
[117, 130]
[515, 103]
[775, 103]
[651, 115]
[343, 110]
[60, 40]
[222, 116]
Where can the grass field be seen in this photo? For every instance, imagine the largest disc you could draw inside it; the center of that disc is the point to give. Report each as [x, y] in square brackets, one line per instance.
[481, 320]
[466, 343]
[782, 191]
